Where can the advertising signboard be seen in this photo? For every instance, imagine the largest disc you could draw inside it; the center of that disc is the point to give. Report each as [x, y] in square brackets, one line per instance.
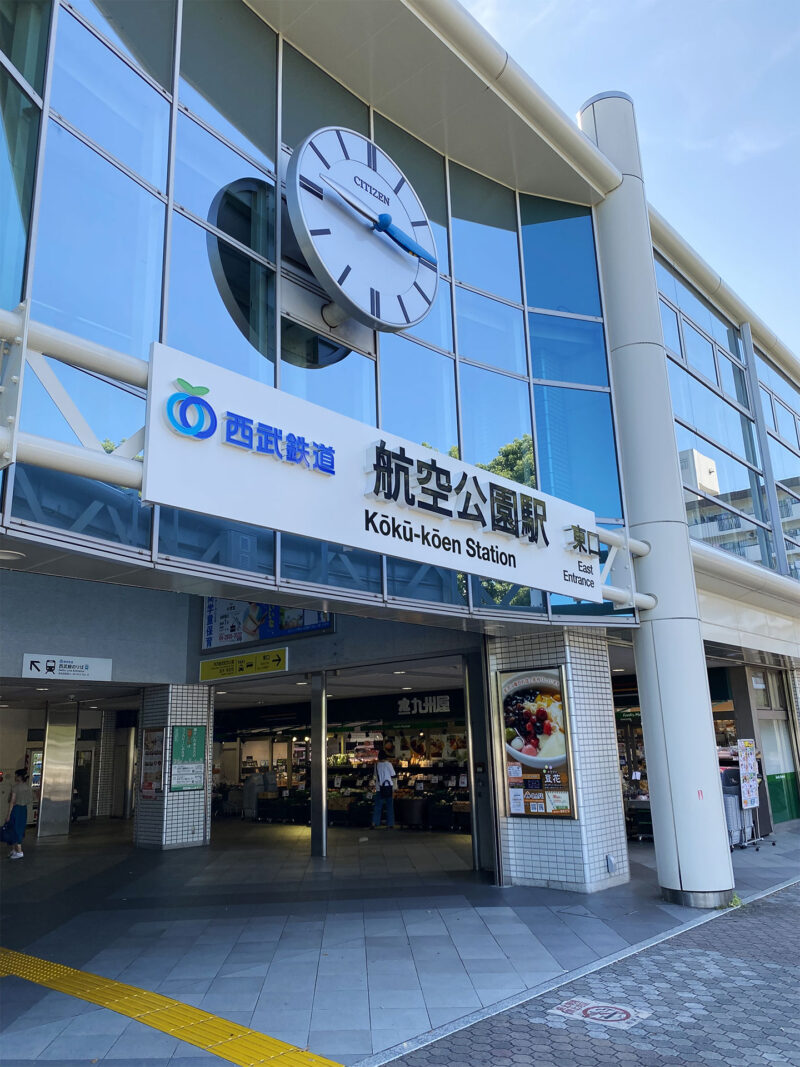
[152, 780]
[188, 758]
[222, 444]
[535, 724]
[241, 622]
[748, 772]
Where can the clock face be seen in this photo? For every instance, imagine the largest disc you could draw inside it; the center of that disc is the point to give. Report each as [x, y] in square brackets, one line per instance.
[362, 229]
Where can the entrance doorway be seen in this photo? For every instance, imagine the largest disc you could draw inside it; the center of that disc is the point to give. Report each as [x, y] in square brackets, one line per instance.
[412, 714]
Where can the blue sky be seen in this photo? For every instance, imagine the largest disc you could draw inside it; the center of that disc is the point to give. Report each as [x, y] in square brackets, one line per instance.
[716, 84]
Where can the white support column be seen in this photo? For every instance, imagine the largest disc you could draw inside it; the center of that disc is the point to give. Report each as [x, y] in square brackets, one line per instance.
[692, 852]
[177, 819]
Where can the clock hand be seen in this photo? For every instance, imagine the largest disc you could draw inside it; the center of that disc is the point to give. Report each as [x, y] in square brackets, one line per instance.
[351, 199]
[385, 225]
[382, 223]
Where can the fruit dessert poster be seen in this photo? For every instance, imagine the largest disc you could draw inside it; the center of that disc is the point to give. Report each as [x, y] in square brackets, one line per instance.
[536, 743]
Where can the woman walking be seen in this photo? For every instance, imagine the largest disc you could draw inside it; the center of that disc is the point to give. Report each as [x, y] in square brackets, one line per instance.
[18, 802]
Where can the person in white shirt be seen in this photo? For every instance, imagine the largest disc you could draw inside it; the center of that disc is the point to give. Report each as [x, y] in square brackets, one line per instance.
[19, 800]
[385, 777]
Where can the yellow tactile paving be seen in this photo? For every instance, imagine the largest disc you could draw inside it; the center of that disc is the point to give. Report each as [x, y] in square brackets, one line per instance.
[231, 1042]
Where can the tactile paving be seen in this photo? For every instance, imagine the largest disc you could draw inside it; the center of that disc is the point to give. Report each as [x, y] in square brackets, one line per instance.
[227, 1040]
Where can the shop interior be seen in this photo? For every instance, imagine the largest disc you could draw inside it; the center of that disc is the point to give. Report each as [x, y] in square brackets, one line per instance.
[759, 714]
[412, 713]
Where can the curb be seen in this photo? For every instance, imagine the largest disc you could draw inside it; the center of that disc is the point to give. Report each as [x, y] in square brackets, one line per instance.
[378, 1059]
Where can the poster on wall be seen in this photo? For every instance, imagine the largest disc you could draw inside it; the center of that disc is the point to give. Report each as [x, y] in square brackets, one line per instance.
[152, 781]
[241, 622]
[537, 743]
[748, 772]
[188, 759]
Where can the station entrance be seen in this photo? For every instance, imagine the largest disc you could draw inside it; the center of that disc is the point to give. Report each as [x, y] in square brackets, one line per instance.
[412, 715]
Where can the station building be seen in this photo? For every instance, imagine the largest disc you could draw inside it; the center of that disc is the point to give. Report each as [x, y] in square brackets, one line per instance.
[355, 397]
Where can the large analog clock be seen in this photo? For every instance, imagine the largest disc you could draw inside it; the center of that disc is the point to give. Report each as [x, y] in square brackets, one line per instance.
[362, 229]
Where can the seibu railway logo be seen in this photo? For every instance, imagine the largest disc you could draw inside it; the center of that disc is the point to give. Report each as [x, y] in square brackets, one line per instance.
[188, 413]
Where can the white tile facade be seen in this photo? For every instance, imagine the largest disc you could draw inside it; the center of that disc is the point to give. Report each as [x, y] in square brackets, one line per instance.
[571, 854]
[176, 820]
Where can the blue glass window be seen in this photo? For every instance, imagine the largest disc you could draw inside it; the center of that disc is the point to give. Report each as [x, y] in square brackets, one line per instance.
[558, 248]
[110, 103]
[312, 99]
[24, 28]
[143, 30]
[699, 352]
[331, 375]
[424, 168]
[714, 472]
[786, 390]
[785, 464]
[222, 188]
[496, 424]
[712, 524]
[568, 350]
[484, 224]
[20, 130]
[766, 404]
[220, 303]
[418, 394]
[669, 327]
[697, 405]
[732, 379]
[82, 506]
[437, 326]
[491, 593]
[110, 232]
[306, 560]
[490, 332]
[786, 424]
[218, 542]
[577, 454]
[229, 74]
[421, 581]
[113, 414]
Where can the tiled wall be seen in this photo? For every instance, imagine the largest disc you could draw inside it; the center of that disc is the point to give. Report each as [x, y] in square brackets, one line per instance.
[105, 770]
[175, 820]
[571, 854]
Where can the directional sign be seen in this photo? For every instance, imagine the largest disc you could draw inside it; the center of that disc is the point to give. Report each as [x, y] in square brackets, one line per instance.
[229, 667]
[72, 668]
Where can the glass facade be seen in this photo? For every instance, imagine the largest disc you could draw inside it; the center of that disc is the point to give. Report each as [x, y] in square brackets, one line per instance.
[158, 187]
[737, 499]
[780, 403]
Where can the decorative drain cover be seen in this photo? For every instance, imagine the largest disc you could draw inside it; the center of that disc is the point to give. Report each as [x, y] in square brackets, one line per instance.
[621, 1016]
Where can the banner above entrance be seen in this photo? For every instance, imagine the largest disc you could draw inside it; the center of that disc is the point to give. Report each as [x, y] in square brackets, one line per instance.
[222, 444]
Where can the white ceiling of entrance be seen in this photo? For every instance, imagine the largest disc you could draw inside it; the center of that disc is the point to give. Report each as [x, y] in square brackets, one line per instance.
[15, 693]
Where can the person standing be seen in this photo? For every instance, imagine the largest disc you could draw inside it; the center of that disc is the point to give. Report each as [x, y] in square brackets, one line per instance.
[384, 792]
[18, 801]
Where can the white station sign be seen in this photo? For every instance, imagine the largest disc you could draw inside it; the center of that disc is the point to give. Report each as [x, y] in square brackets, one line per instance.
[72, 668]
[222, 444]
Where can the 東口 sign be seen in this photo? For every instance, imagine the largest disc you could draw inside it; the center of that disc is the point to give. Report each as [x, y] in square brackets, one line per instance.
[226, 445]
[269, 662]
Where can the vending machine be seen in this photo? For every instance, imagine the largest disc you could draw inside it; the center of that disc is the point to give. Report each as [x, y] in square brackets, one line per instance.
[34, 758]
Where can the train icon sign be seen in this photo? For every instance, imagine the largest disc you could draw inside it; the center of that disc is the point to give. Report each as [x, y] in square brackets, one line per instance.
[71, 668]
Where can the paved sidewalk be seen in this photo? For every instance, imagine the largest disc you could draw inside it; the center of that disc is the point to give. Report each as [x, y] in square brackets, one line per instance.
[389, 938]
[726, 992]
